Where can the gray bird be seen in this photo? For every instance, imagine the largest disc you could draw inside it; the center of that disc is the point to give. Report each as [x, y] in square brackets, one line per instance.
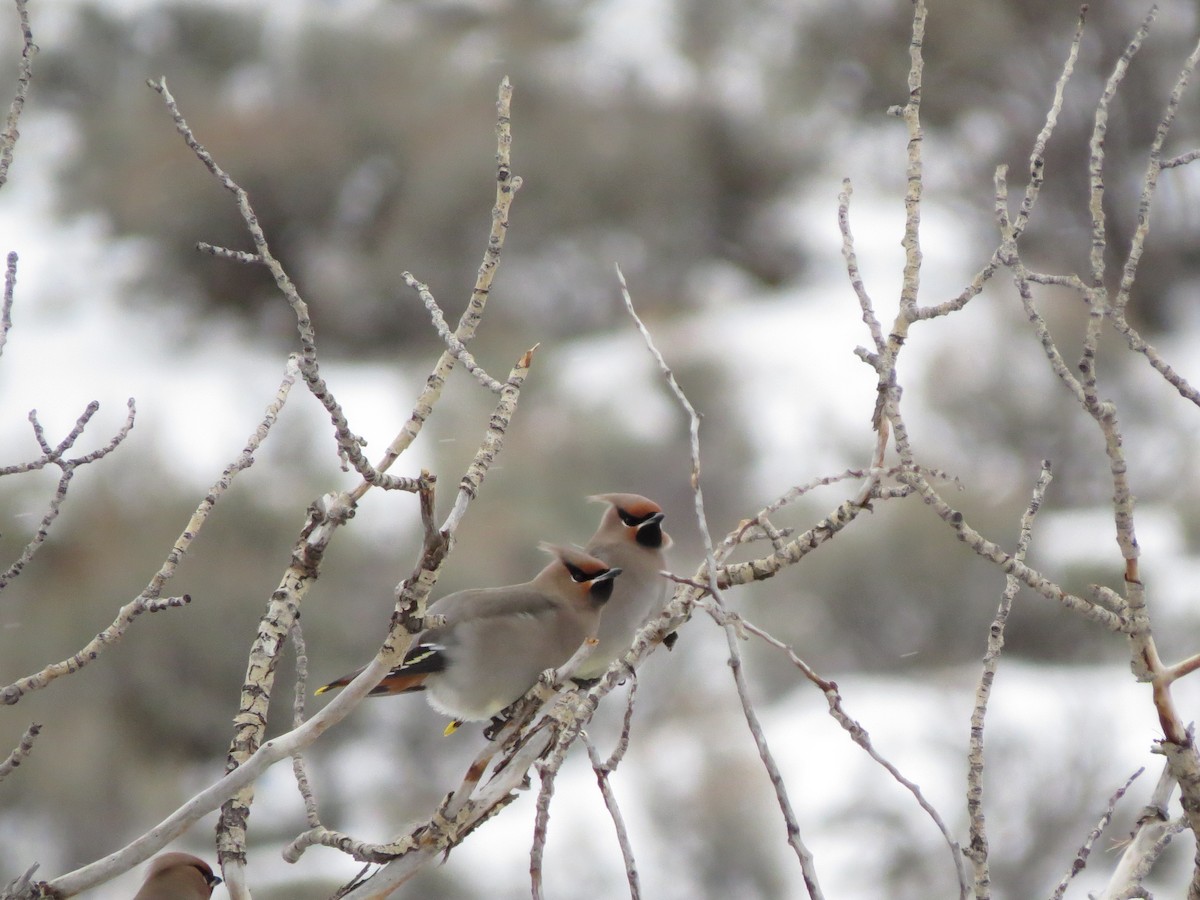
[178, 876]
[497, 641]
[630, 536]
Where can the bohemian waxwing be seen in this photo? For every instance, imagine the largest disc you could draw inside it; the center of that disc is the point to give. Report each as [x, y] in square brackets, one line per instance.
[178, 876]
[497, 641]
[630, 536]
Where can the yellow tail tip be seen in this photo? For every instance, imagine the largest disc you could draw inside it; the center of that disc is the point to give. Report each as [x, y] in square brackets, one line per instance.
[321, 690]
[452, 727]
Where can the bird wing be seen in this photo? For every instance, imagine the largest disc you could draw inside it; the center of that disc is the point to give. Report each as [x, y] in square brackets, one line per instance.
[481, 604]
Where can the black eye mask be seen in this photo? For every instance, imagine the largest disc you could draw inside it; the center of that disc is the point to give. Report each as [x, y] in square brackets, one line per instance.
[602, 590]
[650, 535]
[579, 576]
[631, 520]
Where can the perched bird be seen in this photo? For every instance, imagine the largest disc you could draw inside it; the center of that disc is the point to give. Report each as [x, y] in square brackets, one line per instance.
[630, 536]
[496, 641]
[178, 876]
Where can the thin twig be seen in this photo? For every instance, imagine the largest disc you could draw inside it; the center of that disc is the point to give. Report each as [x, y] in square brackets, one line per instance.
[1150, 181]
[1089, 608]
[240, 256]
[457, 347]
[1097, 296]
[1146, 843]
[977, 849]
[10, 284]
[622, 744]
[914, 170]
[427, 842]
[541, 827]
[54, 456]
[299, 769]
[603, 770]
[1081, 858]
[1037, 175]
[349, 444]
[859, 735]
[1154, 166]
[10, 135]
[149, 599]
[507, 185]
[21, 752]
[851, 257]
[21, 886]
[807, 866]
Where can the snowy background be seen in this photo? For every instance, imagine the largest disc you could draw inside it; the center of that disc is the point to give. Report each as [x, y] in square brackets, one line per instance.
[702, 149]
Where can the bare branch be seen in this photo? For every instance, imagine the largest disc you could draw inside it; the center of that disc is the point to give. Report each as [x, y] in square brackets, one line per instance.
[1037, 156]
[1081, 858]
[1150, 182]
[851, 258]
[914, 172]
[243, 461]
[1012, 566]
[1037, 175]
[21, 886]
[10, 283]
[1154, 165]
[541, 825]
[1139, 345]
[349, 444]
[622, 746]
[148, 600]
[427, 842]
[457, 348]
[240, 256]
[90, 651]
[792, 552]
[1182, 159]
[21, 752]
[493, 440]
[1096, 181]
[10, 135]
[507, 185]
[1152, 833]
[299, 770]
[250, 721]
[603, 770]
[859, 735]
[807, 866]
[43, 530]
[1185, 667]
[977, 851]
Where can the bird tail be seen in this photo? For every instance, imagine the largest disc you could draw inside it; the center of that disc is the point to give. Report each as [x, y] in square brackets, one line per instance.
[422, 661]
[395, 682]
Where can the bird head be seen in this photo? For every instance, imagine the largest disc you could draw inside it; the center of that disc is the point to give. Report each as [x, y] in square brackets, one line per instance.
[576, 572]
[635, 518]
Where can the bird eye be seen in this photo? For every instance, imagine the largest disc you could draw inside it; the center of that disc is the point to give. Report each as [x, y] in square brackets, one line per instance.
[631, 520]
